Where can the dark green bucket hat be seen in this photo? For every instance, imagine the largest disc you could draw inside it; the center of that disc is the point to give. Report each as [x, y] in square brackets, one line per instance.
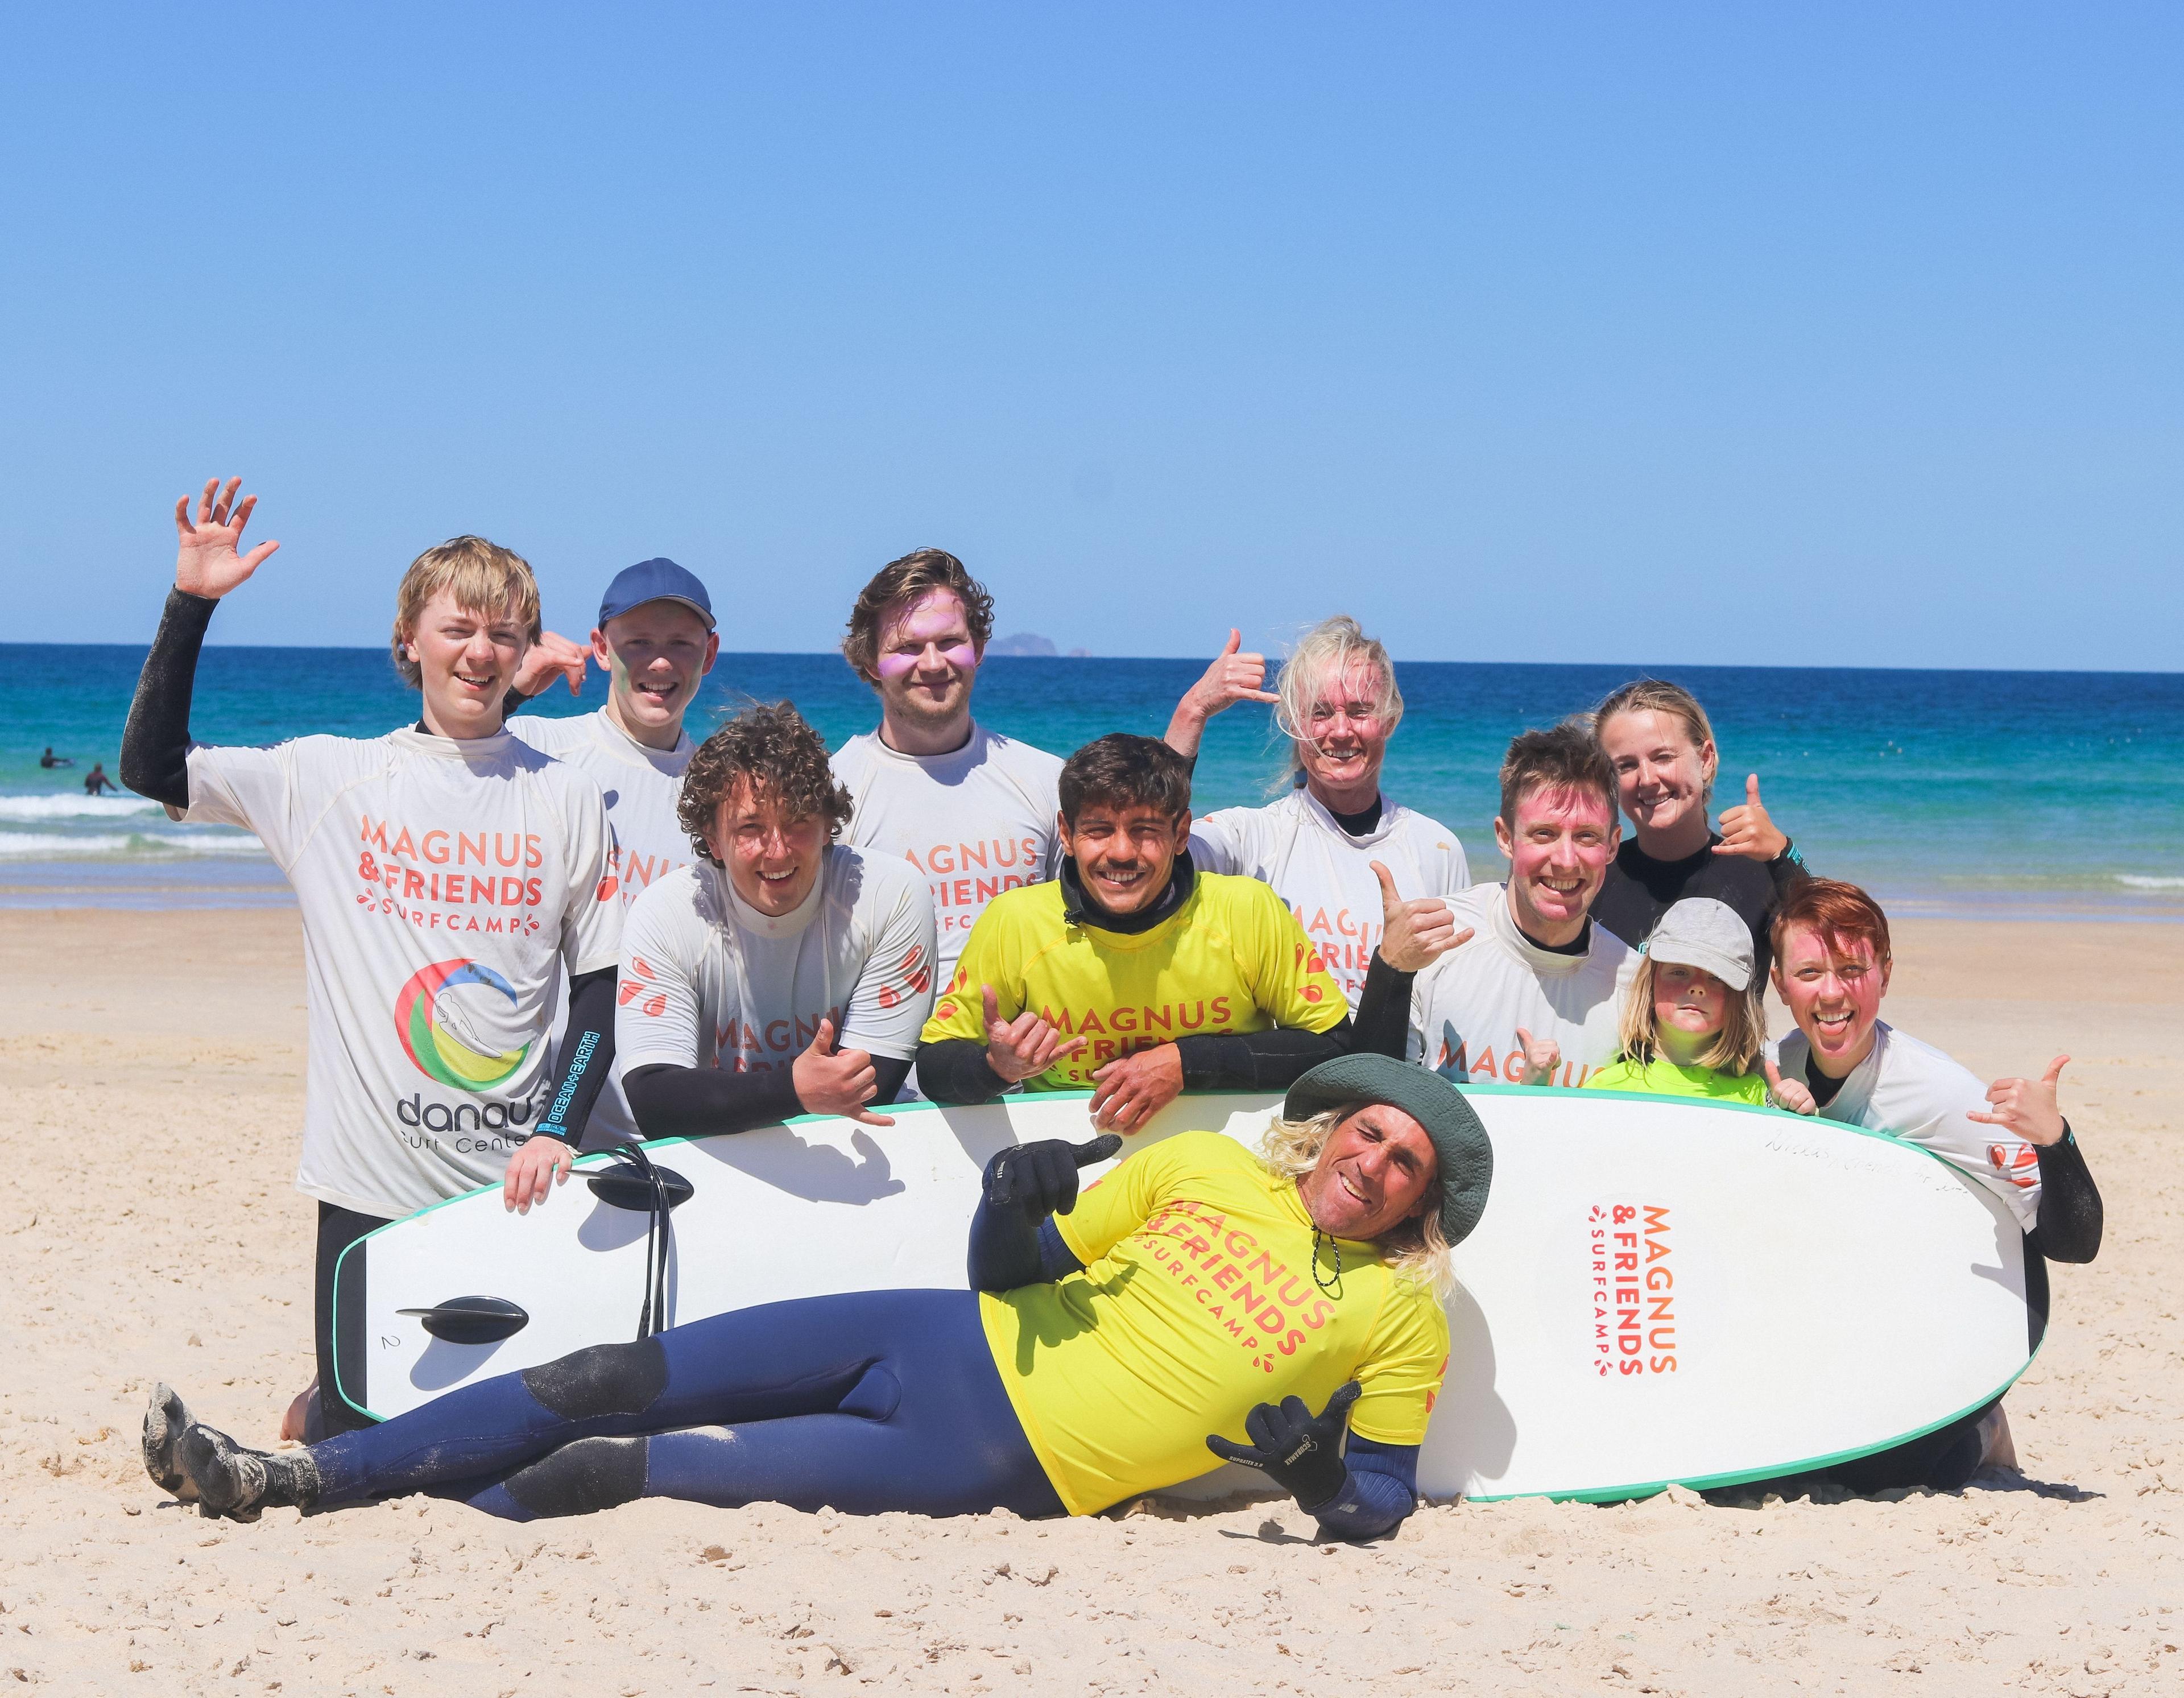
[1466, 1154]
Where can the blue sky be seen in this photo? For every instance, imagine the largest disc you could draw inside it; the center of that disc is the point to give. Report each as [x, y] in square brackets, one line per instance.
[1662, 333]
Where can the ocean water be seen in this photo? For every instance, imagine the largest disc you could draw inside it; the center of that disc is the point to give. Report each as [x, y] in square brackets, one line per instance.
[2009, 794]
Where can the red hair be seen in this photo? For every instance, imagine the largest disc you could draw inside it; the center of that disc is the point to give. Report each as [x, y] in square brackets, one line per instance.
[1839, 911]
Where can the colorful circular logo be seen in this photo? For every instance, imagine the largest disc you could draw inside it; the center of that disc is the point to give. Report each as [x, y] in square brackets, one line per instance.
[445, 1046]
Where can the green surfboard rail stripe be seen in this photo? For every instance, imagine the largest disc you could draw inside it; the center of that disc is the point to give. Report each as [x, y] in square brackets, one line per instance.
[1591, 1494]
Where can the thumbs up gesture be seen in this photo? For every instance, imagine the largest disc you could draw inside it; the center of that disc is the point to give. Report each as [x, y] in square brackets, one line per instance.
[2027, 1107]
[1793, 1094]
[1024, 1047]
[828, 1082]
[1747, 830]
[1414, 934]
[1542, 1056]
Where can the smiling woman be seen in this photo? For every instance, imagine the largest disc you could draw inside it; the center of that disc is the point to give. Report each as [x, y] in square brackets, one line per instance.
[1662, 746]
[1333, 845]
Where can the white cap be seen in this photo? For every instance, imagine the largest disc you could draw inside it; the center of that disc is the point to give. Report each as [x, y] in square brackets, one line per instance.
[1699, 931]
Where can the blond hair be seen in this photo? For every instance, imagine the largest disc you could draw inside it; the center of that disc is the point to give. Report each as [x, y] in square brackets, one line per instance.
[1414, 1248]
[483, 577]
[1325, 651]
[1735, 1047]
[1659, 696]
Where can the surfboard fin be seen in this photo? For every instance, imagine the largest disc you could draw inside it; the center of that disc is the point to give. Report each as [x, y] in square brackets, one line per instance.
[472, 1319]
[626, 1187]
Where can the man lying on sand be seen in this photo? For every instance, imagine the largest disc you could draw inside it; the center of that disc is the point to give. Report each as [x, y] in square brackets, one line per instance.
[1089, 1366]
[1832, 962]
[447, 876]
[1133, 972]
[741, 972]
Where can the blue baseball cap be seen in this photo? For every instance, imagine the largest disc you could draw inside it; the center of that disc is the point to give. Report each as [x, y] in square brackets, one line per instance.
[654, 580]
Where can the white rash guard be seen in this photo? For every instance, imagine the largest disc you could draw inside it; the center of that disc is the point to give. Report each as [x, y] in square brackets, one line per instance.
[708, 981]
[642, 785]
[1911, 1091]
[1466, 1007]
[446, 887]
[976, 822]
[1326, 876]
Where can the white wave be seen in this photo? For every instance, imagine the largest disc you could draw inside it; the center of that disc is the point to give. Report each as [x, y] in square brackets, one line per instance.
[53, 846]
[75, 806]
[2146, 882]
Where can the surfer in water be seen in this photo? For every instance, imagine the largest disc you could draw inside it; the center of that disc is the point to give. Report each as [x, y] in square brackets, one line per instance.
[448, 877]
[971, 809]
[1133, 972]
[784, 973]
[1661, 744]
[1086, 1368]
[1693, 1021]
[1333, 844]
[1513, 983]
[1832, 961]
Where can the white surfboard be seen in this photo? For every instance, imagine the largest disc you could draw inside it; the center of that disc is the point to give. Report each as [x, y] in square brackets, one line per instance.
[1662, 1290]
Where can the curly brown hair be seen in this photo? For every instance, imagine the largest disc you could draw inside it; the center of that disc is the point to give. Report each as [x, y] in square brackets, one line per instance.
[771, 747]
[901, 582]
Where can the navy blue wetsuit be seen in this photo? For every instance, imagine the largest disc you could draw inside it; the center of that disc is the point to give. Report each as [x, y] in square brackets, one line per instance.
[866, 1401]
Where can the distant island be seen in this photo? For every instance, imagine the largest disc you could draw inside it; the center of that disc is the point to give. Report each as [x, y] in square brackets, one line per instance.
[1031, 644]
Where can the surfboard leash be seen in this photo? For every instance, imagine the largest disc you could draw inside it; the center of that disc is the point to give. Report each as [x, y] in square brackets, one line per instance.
[659, 1227]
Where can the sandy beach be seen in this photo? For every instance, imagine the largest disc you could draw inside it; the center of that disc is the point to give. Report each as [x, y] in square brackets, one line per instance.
[153, 1066]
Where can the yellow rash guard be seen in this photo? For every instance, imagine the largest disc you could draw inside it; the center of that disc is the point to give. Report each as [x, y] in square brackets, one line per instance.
[1232, 958]
[1666, 1079]
[1198, 1300]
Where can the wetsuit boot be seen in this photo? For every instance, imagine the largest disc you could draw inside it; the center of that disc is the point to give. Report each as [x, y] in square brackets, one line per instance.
[239, 1483]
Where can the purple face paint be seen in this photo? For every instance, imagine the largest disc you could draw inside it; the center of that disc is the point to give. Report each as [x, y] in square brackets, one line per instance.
[961, 655]
[935, 625]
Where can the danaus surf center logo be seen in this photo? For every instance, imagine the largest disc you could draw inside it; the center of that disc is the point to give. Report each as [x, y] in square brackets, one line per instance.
[445, 1016]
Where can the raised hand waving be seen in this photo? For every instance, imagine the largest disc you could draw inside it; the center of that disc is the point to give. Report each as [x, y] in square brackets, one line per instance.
[206, 559]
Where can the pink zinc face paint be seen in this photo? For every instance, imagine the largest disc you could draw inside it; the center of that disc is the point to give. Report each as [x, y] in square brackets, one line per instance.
[961, 655]
[934, 627]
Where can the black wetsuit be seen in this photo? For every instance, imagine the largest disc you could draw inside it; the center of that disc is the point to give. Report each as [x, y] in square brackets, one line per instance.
[954, 1069]
[1639, 889]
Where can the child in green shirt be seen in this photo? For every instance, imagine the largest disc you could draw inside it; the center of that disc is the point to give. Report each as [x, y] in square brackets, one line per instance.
[1692, 1022]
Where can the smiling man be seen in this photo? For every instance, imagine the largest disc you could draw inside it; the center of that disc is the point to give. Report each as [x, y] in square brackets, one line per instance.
[448, 877]
[1514, 982]
[656, 642]
[971, 809]
[1832, 963]
[1132, 973]
[783, 973]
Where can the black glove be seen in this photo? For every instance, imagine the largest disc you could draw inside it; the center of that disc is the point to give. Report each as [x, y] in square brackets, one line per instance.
[1040, 1179]
[1298, 1451]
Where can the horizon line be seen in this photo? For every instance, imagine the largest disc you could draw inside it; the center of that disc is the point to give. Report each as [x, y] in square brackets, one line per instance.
[1638, 671]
